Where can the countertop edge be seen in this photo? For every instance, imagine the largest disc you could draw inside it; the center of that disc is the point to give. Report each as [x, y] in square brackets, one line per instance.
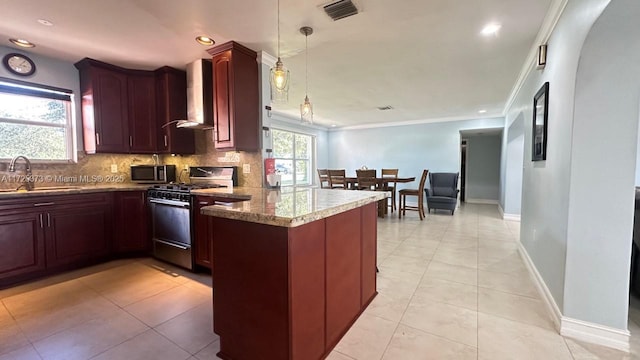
[237, 212]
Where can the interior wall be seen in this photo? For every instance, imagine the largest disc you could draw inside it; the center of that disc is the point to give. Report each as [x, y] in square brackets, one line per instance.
[483, 168]
[409, 148]
[514, 162]
[545, 184]
[604, 157]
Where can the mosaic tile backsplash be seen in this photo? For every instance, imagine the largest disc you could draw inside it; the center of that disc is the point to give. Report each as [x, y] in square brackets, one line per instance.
[96, 169]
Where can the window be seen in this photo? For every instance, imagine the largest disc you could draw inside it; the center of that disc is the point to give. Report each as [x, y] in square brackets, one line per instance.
[35, 121]
[294, 157]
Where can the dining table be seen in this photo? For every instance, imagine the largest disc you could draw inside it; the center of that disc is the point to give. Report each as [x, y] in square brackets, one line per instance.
[381, 183]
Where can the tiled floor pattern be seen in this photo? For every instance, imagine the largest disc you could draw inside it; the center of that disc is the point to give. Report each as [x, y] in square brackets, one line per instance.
[450, 287]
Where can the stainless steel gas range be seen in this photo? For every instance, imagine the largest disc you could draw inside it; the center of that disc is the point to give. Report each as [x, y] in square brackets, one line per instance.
[171, 212]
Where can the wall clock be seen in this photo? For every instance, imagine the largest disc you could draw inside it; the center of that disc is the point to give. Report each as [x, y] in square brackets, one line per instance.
[19, 64]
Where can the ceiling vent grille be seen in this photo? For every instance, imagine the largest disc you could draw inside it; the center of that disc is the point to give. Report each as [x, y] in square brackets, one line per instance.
[340, 9]
[385, 108]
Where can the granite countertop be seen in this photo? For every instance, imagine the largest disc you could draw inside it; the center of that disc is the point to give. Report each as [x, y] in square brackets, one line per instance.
[68, 190]
[287, 207]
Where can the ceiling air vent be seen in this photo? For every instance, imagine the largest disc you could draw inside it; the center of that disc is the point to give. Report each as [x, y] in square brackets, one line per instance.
[340, 9]
[385, 108]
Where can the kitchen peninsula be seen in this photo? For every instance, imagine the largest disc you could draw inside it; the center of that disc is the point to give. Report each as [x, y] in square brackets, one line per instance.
[292, 269]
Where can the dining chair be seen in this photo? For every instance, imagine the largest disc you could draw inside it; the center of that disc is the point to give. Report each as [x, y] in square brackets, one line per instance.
[390, 177]
[323, 175]
[413, 192]
[366, 179]
[337, 179]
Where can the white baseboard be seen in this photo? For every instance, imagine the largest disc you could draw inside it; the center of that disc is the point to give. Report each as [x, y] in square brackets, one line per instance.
[543, 290]
[509, 217]
[595, 333]
[482, 201]
[577, 329]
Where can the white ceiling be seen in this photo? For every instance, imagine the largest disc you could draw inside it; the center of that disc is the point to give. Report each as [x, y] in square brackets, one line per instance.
[425, 58]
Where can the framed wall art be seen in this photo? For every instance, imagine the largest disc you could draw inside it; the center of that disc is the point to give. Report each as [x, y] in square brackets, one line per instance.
[540, 116]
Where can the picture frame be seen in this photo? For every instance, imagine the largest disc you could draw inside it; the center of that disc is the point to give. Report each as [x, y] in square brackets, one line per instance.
[539, 126]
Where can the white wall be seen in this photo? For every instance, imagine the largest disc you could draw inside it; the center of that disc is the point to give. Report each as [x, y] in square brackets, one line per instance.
[483, 168]
[513, 167]
[410, 148]
[545, 195]
[603, 157]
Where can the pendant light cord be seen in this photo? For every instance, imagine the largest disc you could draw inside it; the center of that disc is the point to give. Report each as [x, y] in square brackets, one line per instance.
[278, 28]
[306, 65]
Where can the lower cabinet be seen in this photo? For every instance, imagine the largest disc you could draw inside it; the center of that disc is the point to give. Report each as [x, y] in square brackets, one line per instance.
[77, 234]
[22, 244]
[40, 235]
[203, 230]
[132, 234]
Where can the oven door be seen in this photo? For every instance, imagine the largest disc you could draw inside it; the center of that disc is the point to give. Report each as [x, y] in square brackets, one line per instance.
[171, 231]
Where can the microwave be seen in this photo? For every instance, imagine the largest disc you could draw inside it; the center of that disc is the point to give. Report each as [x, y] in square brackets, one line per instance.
[148, 174]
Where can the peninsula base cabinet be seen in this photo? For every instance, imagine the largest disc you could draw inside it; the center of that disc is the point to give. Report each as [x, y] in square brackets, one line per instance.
[288, 293]
[42, 235]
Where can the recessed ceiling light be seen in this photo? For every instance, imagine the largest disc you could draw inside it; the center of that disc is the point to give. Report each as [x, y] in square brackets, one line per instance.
[205, 40]
[482, 111]
[333, 125]
[45, 22]
[491, 29]
[22, 43]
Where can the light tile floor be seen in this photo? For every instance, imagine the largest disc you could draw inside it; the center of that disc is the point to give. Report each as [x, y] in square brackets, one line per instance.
[450, 287]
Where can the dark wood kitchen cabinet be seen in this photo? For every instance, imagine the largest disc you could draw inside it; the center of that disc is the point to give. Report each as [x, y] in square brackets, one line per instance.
[22, 244]
[171, 100]
[131, 218]
[235, 97]
[123, 109]
[142, 113]
[105, 111]
[41, 235]
[77, 234]
[203, 230]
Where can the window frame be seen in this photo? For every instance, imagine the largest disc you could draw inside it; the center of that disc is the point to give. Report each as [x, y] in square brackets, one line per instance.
[18, 87]
[312, 157]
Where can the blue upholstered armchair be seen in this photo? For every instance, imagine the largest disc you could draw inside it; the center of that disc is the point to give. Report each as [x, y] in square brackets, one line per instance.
[443, 191]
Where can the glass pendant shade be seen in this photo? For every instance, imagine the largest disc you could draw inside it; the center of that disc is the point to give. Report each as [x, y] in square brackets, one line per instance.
[279, 83]
[306, 111]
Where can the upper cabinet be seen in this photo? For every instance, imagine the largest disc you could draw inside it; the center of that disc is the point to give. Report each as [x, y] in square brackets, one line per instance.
[235, 97]
[171, 99]
[123, 110]
[105, 113]
[142, 113]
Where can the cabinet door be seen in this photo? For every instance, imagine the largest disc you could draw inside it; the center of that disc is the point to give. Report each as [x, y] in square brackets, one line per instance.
[222, 102]
[21, 245]
[131, 223]
[142, 113]
[203, 226]
[171, 101]
[77, 234]
[110, 110]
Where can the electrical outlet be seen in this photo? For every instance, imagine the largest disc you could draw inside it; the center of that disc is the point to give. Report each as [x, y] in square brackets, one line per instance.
[246, 168]
[186, 167]
[114, 168]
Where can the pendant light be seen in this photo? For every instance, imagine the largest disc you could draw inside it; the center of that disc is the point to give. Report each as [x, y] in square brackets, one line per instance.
[279, 78]
[306, 109]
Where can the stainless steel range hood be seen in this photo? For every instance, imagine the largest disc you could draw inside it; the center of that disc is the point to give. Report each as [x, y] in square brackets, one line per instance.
[199, 96]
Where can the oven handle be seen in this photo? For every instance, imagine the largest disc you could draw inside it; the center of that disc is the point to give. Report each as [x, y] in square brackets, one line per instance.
[172, 244]
[169, 202]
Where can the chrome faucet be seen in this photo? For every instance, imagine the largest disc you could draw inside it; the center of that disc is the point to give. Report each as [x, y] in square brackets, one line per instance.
[28, 183]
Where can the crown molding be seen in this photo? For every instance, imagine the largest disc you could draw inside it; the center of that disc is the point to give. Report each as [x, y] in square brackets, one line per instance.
[266, 58]
[548, 25]
[416, 122]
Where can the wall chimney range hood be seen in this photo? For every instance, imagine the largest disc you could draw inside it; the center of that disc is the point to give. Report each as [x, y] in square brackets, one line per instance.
[199, 96]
